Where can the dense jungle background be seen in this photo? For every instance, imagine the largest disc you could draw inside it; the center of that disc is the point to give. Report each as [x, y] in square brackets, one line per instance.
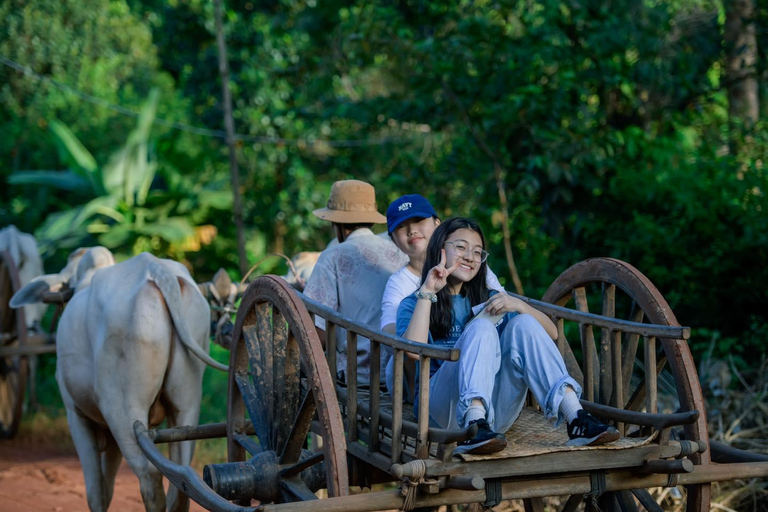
[633, 129]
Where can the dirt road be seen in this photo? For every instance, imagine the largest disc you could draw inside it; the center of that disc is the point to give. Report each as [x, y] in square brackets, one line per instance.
[48, 478]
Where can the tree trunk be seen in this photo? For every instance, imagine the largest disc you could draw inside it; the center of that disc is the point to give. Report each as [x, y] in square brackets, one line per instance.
[229, 124]
[740, 64]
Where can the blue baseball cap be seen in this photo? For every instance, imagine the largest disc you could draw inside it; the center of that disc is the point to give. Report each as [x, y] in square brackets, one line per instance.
[407, 207]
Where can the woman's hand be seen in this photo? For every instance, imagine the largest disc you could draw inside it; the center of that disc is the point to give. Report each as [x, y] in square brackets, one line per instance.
[437, 277]
[502, 303]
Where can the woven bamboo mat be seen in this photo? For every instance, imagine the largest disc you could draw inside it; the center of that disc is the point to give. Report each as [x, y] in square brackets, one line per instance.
[532, 434]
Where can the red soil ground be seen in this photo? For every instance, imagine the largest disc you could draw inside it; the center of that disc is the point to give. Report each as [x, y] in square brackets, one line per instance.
[38, 477]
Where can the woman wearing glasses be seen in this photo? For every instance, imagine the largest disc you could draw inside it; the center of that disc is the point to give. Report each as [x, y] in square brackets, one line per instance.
[500, 360]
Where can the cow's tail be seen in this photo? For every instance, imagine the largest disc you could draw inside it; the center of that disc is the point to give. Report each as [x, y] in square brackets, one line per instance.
[168, 284]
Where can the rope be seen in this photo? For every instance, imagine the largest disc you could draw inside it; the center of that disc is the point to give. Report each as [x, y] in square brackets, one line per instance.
[672, 480]
[409, 485]
[597, 484]
[687, 448]
[492, 494]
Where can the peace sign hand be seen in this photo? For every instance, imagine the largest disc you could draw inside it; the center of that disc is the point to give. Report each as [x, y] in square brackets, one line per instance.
[437, 277]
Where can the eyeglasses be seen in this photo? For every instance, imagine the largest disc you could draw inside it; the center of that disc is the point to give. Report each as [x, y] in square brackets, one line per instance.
[461, 248]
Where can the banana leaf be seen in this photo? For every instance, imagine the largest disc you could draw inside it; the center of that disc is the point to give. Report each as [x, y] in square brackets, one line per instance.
[63, 180]
[130, 171]
[73, 223]
[72, 151]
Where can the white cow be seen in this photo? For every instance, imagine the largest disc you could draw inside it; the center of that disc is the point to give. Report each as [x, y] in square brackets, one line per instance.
[131, 345]
[23, 250]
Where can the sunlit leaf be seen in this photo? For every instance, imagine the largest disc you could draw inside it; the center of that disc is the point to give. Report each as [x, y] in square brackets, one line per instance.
[116, 237]
[219, 199]
[174, 229]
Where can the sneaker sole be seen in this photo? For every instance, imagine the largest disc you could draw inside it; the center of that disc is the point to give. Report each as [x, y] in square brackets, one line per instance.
[606, 437]
[485, 448]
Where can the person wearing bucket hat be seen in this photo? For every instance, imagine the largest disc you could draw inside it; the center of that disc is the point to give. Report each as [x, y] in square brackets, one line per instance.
[411, 220]
[350, 276]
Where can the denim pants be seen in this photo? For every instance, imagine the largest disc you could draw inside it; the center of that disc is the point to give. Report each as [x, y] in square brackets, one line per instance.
[499, 369]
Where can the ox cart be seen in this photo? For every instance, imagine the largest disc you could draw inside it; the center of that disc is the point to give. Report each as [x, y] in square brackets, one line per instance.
[18, 344]
[617, 334]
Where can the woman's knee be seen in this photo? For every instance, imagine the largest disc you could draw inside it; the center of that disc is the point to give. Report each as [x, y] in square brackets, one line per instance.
[480, 335]
[480, 326]
[525, 321]
[522, 328]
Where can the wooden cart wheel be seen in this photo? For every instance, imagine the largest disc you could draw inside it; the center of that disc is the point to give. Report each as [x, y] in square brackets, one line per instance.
[614, 288]
[13, 334]
[279, 379]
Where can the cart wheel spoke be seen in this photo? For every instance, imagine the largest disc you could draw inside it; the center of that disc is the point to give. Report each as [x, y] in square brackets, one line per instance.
[289, 471]
[574, 500]
[292, 448]
[587, 336]
[263, 368]
[627, 501]
[254, 406]
[9, 381]
[646, 500]
[629, 348]
[294, 489]
[249, 444]
[287, 381]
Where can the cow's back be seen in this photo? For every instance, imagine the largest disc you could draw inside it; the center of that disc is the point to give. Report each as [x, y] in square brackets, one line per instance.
[116, 336]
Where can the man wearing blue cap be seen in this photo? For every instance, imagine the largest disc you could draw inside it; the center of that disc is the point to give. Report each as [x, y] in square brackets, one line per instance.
[411, 219]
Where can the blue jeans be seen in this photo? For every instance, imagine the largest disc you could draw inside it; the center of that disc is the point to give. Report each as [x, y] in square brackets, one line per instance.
[499, 369]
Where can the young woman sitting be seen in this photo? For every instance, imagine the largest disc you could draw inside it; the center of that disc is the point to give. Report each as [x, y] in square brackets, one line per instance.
[498, 363]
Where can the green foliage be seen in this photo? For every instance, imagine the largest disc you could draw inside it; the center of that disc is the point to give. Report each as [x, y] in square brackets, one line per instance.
[120, 209]
[214, 405]
[606, 128]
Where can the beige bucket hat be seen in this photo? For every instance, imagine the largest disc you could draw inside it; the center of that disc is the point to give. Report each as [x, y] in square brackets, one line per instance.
[351, 202]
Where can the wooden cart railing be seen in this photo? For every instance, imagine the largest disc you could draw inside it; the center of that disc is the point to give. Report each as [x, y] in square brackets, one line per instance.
[18, 344]
[389, 441]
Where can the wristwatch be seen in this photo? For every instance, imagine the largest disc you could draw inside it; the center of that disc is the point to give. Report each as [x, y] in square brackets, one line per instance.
[432, 297]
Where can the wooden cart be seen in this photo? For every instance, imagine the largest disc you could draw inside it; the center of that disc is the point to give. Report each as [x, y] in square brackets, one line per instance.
[17, 345]
[618, 337]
